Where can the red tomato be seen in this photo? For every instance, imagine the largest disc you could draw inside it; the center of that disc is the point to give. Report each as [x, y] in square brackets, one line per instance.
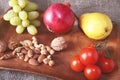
[107, 65]
[75, 64]
[88, 56]
[92, 72]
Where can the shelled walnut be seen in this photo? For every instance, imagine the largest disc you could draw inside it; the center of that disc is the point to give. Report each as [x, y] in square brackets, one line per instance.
[13, 44]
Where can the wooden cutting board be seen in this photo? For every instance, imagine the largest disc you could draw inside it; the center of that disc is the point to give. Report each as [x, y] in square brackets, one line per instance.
[76, 40]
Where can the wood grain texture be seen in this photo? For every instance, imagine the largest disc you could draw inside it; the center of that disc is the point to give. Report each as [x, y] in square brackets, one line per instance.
[61, 70]
[76, 39]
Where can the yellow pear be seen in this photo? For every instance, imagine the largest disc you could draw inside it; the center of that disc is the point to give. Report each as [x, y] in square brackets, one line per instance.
[96, 25]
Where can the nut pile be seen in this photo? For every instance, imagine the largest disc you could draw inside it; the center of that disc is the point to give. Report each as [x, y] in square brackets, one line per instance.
[32, 52]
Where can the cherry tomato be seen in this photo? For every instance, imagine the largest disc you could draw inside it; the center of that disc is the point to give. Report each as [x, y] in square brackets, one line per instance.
[75, 64]
[107, 65]
[88, 56]
[92, 72]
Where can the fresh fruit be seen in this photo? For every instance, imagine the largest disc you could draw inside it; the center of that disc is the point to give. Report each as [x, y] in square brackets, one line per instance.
[20, 29]
[88, 56]
[16, 8]
[93, 60]
[92, 72]
[59, 18]
[33, 15]
[13, 3]
[6, 17]
[9, 15]
[32, 30]
[35, 22]
[96, 25]
[106, 65]
[23, 14]
[75, 64]
[25, 23]
[22, 3]
[31, 6]
[15, 21]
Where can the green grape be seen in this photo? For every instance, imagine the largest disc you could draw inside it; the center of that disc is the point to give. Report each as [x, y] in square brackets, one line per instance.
[20, 29]
[25, 23]
[13, 3]
[23, 15]
[15, 21]
[32, 30]
[22, 3]
[35, 23]
[10, 14]
[33, 15]
[6, 17]
[31, 6]
[16, 8]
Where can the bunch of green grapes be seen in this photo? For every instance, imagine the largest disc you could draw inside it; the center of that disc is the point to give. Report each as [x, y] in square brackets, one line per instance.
[24, 15]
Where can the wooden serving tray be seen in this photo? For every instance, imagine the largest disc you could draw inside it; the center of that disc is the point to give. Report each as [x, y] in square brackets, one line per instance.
[76, 40]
